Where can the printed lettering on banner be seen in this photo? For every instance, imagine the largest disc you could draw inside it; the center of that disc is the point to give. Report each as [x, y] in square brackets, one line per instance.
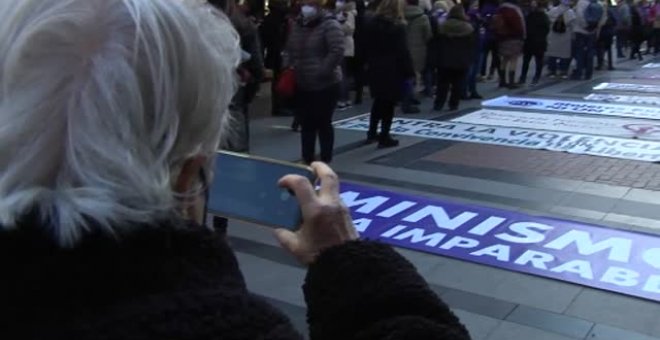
[574, 106]
[614, 260]
[624, 99]
[643, 88]
[648, 151]
[617, 127]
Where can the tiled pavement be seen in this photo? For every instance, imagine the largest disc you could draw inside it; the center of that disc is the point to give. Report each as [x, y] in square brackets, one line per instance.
[493, 303]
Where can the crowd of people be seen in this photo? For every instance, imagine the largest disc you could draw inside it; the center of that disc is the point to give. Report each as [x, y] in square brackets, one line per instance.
[406, 50]
[111, 114]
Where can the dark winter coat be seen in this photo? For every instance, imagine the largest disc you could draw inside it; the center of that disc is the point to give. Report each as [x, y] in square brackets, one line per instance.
[389, 63]
[513, 22]
[178, 280]
[316, 50]
[538, 28]
[274, 30]
[457, 44]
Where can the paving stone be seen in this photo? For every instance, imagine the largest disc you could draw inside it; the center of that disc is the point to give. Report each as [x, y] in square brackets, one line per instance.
[605, 332]
[479, 326]
[476, 303]
[513, 331]
[617, 310]
[552, 322]
[505, 285]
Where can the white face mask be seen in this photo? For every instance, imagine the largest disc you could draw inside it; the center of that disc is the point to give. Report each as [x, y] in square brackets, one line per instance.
[308, 11]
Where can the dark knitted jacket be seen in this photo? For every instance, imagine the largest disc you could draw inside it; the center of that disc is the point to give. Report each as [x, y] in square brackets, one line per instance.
[181, 281]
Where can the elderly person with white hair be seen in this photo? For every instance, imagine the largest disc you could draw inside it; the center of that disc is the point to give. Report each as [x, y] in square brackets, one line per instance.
[109, 112]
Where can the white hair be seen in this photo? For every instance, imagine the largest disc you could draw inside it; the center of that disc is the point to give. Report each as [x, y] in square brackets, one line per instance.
[101, 101]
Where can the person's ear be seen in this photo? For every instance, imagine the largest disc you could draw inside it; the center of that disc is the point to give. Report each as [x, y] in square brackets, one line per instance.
[189, 174]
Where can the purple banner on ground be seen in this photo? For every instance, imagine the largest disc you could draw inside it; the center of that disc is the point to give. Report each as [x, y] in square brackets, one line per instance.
[614, 260]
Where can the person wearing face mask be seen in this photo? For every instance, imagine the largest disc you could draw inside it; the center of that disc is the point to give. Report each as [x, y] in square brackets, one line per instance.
[315, 50]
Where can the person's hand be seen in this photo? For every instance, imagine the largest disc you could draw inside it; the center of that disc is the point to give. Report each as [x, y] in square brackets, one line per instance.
[327, 221]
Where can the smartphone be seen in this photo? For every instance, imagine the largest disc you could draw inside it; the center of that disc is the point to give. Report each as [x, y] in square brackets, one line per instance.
[245, 187]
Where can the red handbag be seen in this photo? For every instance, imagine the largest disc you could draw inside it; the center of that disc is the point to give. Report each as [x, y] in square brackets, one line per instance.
[286, 85]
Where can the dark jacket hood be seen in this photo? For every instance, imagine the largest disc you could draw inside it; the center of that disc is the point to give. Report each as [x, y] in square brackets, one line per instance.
[455, 28]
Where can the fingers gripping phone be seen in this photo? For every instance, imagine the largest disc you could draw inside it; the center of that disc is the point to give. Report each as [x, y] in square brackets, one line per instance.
[245, 188]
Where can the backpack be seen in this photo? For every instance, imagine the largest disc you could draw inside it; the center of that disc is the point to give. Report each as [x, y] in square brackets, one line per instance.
[559, 26]
[592, 15]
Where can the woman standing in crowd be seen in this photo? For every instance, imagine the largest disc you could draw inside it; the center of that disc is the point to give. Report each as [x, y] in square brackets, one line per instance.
[474, 15]
[509, 27]
[315, 51]
[487, 10]
[389, 66]
[456, 52]
[536, 43]
[94, 247]
[655, 13]
[624, 25]
[437, 16]
[274, 31]
[636, 32]
[606, 38]
[562, 18]
[345, 12]
[418, 34]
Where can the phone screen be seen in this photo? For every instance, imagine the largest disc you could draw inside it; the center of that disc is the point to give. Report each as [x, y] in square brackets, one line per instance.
[245, 188]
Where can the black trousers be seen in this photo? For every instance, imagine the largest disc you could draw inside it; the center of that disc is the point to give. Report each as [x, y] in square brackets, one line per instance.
[314, 111]
[604, 48]
[538, 62]
[491, 47]
[447, 78]
[382, 112]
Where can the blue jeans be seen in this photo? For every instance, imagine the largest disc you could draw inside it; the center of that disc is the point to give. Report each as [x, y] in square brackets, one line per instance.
[471, 80]
[585, 50]
[563, 64]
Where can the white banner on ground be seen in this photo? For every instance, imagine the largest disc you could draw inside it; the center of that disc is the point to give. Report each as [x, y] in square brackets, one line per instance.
[574, 106]
[615, 127]
[628, 87]
[648, 151]
[652, 65]
[624, 99]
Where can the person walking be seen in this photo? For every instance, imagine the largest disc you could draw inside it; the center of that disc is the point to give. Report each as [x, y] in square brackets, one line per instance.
[562, 19]
[358, 68]
[346, 12]
[606, 38]
[591, 16]
[536, 42]
[315, 51]
[456, 52]
[389, 66]
[623, 27]
[418, 35]
[509, 27]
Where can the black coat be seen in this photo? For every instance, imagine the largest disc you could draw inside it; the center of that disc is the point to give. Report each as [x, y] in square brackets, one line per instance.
[456, 44]
[538, 28]
[274, 31]
[389, 63]
[181, 281]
